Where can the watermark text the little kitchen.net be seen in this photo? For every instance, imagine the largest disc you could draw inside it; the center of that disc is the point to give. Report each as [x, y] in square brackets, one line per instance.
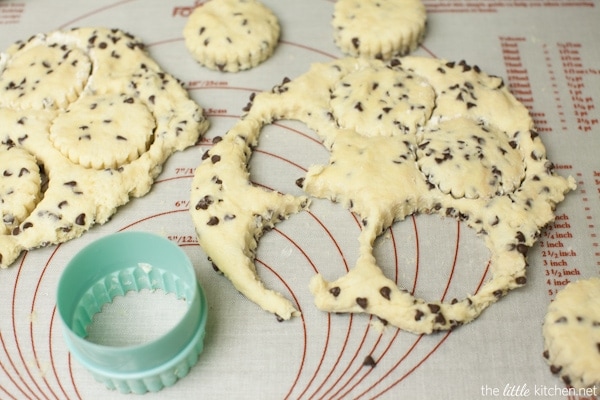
[524, 390]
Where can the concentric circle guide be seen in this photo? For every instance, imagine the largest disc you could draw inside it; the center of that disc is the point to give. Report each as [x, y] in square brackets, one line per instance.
[248, 354]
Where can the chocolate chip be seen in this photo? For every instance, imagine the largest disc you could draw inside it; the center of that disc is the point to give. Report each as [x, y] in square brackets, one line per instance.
[561, 320]
[555, 369]
[534, 134]
[335, 291]
[440, 319]
[300, 182]
[395, 62]
[522, 248]
[362, 302]
[418, 315]
[369, 361]
[434, 308]
[214, 266]
[204, 203]
[215, 159]
[385, 292]
[213, 221]
[355, 42]
[80, 220]
[521, 280]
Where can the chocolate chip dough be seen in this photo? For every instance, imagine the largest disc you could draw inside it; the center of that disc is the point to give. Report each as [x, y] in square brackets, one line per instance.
[412, 135]
[87, 119]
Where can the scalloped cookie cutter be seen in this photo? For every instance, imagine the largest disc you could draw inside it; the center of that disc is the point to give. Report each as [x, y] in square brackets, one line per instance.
[113, 266]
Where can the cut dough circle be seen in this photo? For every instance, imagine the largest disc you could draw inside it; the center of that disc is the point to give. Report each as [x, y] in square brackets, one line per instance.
[231, 35]
[405, 102]
[42, 76]
[103, 131]
[465, 159]
[380, 29]
[571, 333]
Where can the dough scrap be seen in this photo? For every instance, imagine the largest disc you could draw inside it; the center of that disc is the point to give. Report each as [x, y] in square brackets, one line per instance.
[381, 29]
[231, 35]
[385, 175]
[88, 118]
[20, 186]
[571, 333]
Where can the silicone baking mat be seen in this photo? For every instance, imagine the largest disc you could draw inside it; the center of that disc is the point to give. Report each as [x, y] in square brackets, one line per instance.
[548, 54]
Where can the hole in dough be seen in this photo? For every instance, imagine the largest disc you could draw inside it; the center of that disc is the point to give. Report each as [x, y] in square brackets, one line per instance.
[454, 270]
[286, 149]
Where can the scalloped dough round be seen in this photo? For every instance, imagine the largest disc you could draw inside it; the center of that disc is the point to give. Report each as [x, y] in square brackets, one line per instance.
[571, 333]
[231, 35]
[103, 131]
[41, 77]
[466, 159]
[380, 29]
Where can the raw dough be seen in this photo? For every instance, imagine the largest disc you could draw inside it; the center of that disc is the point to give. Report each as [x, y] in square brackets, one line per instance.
[571, 333]
[380, 29]
[423, 136]
[231, 35]
[87, 119]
